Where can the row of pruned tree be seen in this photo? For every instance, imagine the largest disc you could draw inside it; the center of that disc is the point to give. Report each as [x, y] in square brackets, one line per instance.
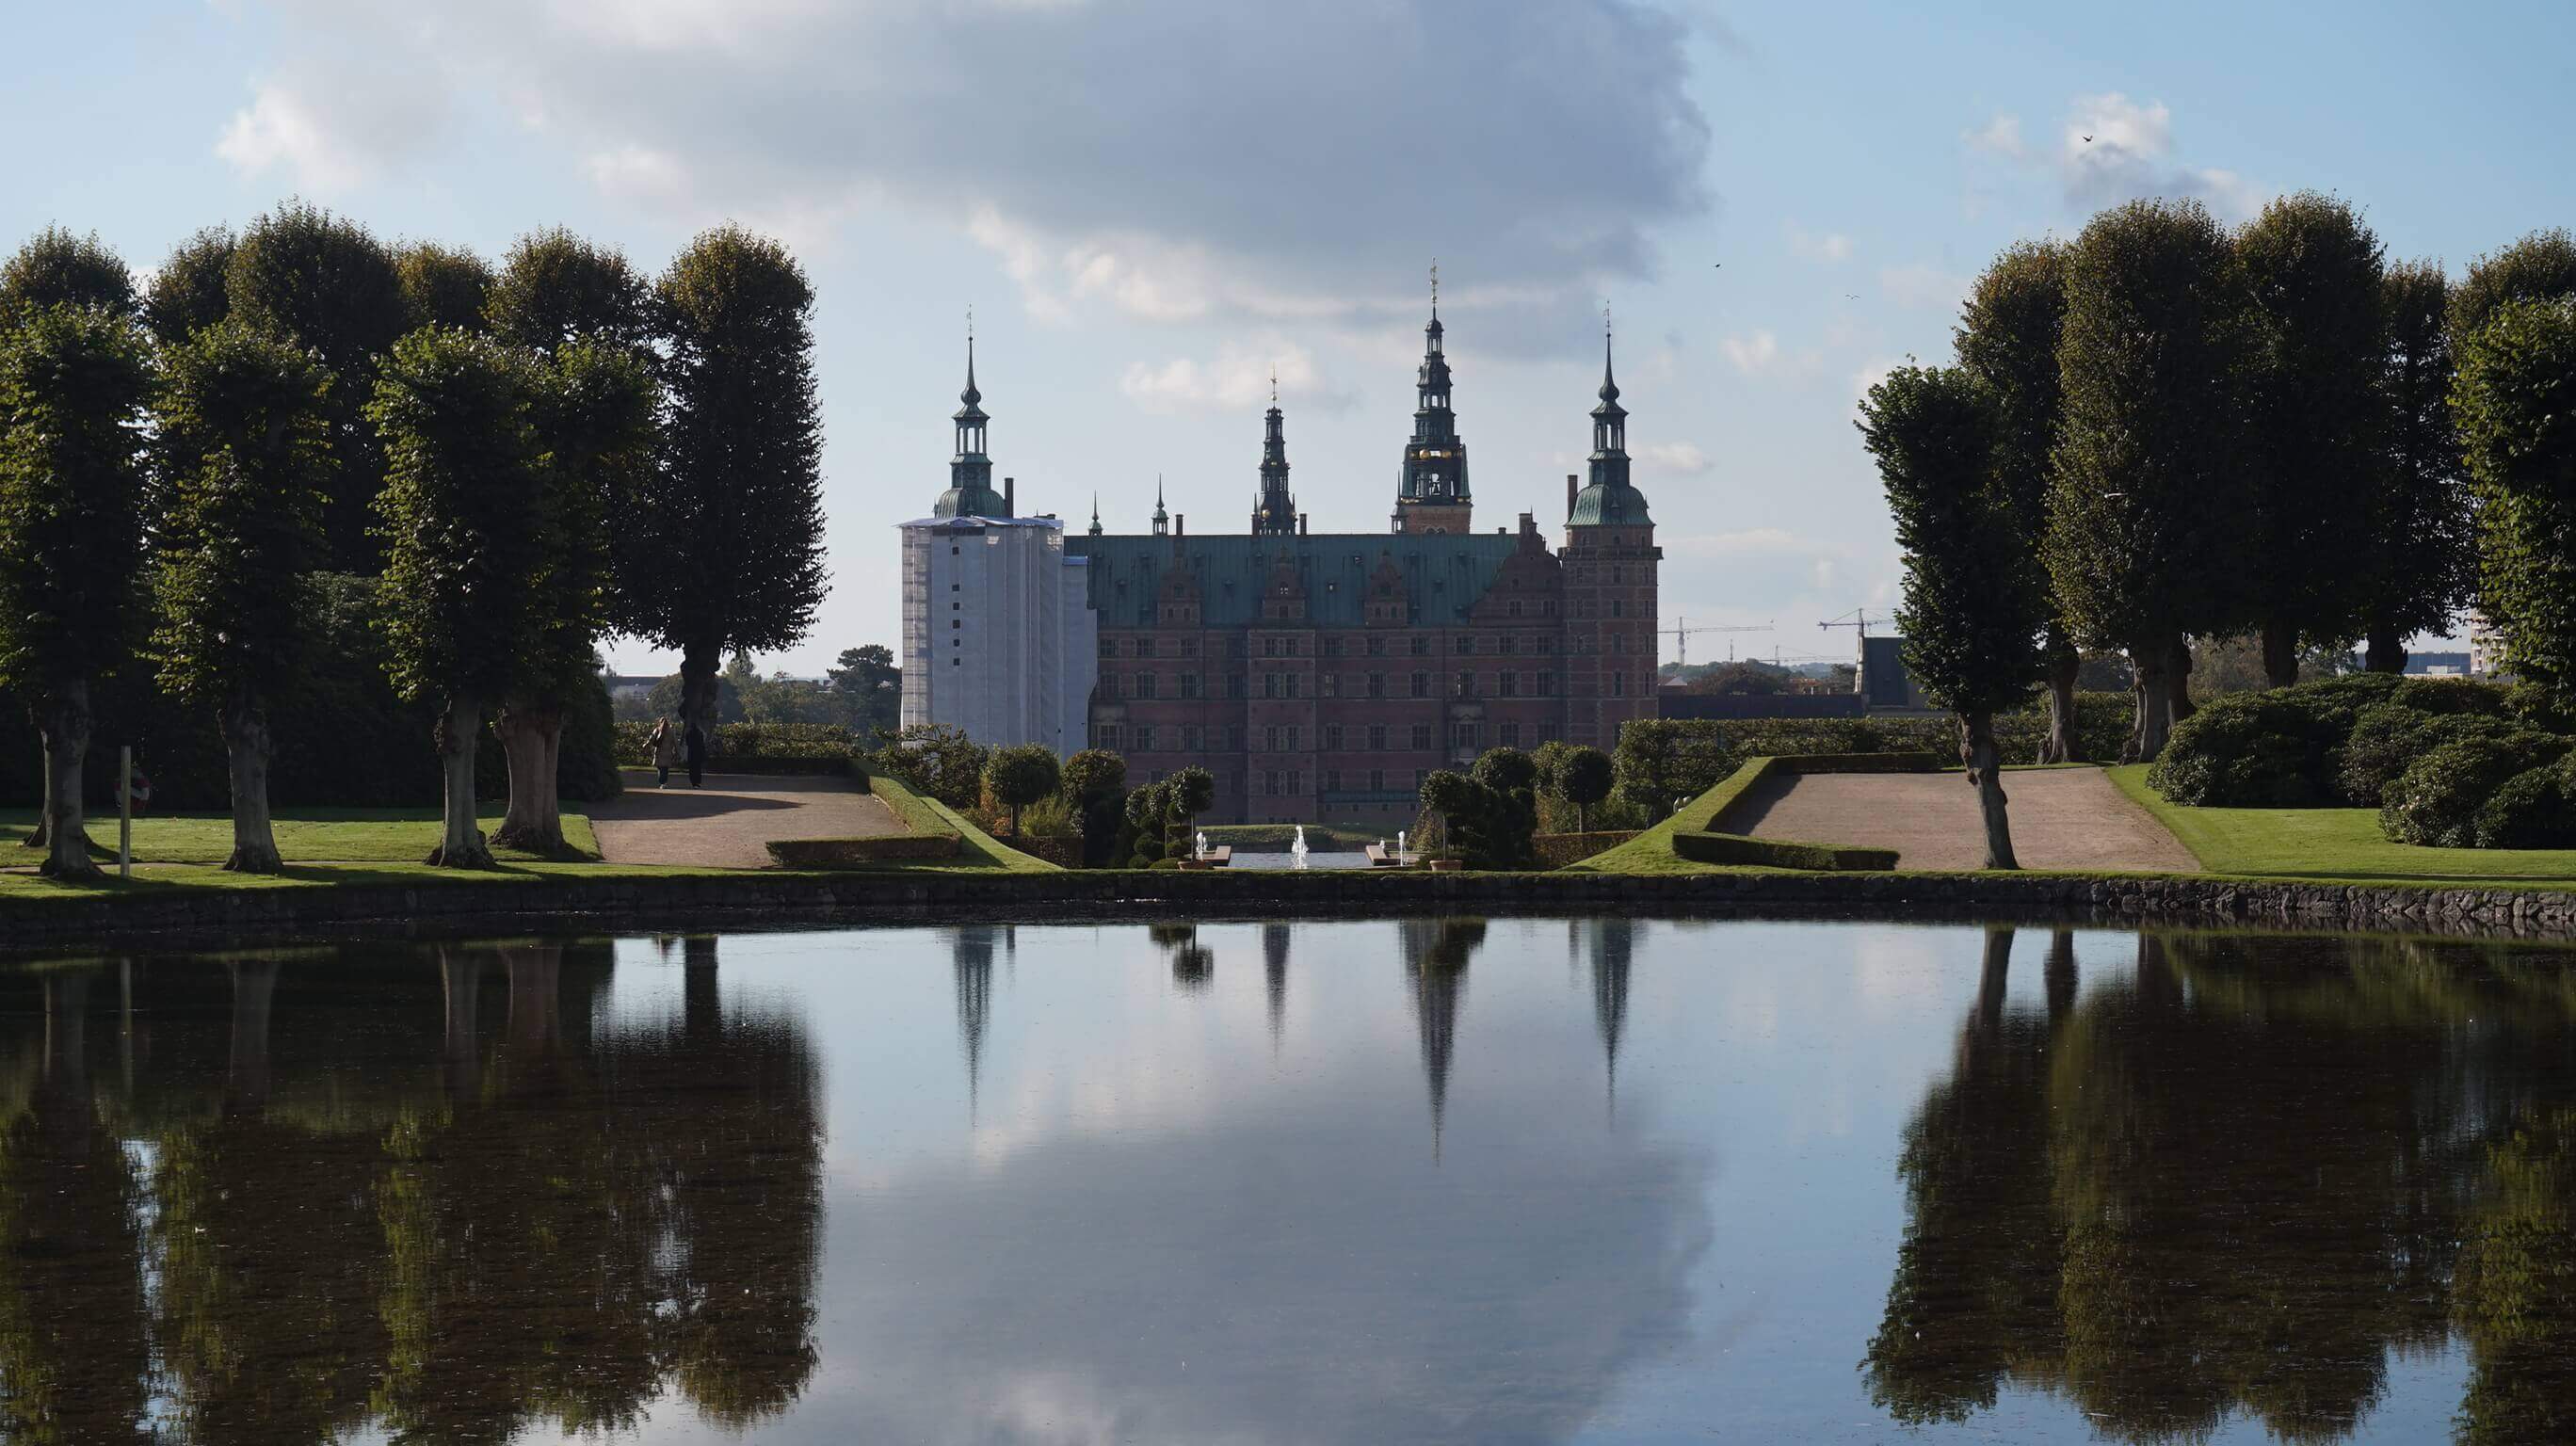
[524, 458]
[2167, 429]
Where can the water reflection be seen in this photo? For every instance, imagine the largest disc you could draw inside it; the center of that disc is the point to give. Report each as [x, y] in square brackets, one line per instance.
[2242, 1180]
[440, 1197]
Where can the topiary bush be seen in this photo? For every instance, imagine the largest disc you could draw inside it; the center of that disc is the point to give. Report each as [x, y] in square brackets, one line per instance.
[2440, 801]
[2390, 737]
[2251, 750]
[2535, 809]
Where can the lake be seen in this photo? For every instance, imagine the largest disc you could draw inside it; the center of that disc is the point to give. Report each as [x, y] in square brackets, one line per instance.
[1599, 1181]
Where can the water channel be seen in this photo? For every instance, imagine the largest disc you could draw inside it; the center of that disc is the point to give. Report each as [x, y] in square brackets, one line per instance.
[1598, 1181]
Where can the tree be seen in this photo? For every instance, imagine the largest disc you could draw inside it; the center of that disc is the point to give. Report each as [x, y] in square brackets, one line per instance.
[2145, 534]
[1583, 777]
[57, 268]
[1740, 677]
[443, 286]
[2515, 406]
[729, 532]
[2314, 348]
[188, 291]
[72, 383]
[325, 283]
[937, 759]
[2007, 338]
[1094, 782]
[1020, 775]
[243, 446]
[1192, 791]
[555, 287]
[462, 508]
[870, 687]
[2416, 564]
[2538, 267]
[1974, 606]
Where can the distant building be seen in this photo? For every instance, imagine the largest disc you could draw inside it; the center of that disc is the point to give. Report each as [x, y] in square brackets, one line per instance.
[2485, 648]
[2437, 665]
[1316, 676]
[998, 632]
[1884, 684]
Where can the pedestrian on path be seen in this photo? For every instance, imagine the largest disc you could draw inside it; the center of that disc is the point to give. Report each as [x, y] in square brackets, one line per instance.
[665, 741]
[696, 745]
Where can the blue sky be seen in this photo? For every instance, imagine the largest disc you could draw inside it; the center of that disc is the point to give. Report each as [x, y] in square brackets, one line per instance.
[1150, 202]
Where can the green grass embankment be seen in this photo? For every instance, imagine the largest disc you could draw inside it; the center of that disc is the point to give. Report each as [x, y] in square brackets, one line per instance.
[306, 835]
[2341, 845]
[976, 849]
[1651, 852]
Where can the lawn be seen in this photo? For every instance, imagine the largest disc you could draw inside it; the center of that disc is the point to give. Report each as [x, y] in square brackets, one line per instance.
[1651, 852]
[162, 878]
[2342, 844]
[312, 835]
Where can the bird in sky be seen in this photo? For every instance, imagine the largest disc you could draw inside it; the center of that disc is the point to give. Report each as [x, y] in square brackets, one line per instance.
[2088, 140]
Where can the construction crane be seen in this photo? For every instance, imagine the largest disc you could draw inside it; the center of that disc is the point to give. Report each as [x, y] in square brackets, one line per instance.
[1681, 632]
[1856, 618]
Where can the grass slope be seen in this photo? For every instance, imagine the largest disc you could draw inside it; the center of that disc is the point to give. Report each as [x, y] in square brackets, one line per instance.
[312, 835]
[1651, 852]
[976, 849]
[2340, 844]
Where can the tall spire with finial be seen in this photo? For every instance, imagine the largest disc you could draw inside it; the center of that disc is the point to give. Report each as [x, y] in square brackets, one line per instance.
[1609, 496]
[1095, 514]
[1162, 519]
[1431, 491]
[970, 472]
[1274, 511]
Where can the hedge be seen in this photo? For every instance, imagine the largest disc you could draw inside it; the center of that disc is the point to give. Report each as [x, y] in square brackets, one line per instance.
[1730, 848]
[2443, 800]
[1858, 762]
[1556, 850]
[755, 747]
[825, 853]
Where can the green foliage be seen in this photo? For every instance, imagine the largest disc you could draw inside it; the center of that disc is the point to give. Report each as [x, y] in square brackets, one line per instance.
[187, 292]
[58, 268]
[2145, 525]
[462, 509]
[595, 419]
[2007, 339]
[2313, 350]
[1487, 815]
[2388, 738]
[2440, 801]
[2416, 558]
[1738, 850]
[323, 282]
[936, 759]
[868, 687]
[1974, 600]
[2539, 267]
[727, 537]
[72, 385]
[2275, 749]
[1050, 817]
[1094, 783]
[242, 444]
[1581, 776]
[2534, 809]
[1661, 759]
[2515, 404]
[442, 286]
[556, 288]
[1020, 775]
[1193, 792]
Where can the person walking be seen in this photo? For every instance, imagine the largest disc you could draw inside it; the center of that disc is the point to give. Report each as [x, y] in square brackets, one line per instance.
[665, 742]
[695, 744]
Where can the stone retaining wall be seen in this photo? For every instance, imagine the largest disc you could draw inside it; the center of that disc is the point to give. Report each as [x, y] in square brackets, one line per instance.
[752, 900]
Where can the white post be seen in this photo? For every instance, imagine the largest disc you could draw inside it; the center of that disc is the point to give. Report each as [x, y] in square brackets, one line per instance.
[125, 810]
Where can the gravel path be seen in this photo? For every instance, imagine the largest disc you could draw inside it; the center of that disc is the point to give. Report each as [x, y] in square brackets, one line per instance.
[2062, 818]
[726, 824]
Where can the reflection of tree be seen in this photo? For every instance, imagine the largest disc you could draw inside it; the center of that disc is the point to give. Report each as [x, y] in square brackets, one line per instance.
[446, 1200]
[1193, 963]
[1274, 975]
[971, 956]
[2236, 1181]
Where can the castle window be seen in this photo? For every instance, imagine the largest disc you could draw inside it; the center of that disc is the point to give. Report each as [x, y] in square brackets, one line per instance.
[1466, 683]
[1332, 737]
[1377, 685]
[1511, 685]
[1234, 685]
[1511, 644]
[1511, 735]
[1422, 685]
[1292, 738]
[1376, 740]
[1421, 645]
[1332, 780]
[1377, 647]
[1190, 737]
[1189, 685]
[1328, 683]
[1547, 684]
[1515, 604]
[1270, 739]
[1618, 609]
[1144, 737]
[1108, 646]
[1421, 743]
[1377, 780]
[1144, 685]
[1466, 645]
[1292, 685]
[1618, 684]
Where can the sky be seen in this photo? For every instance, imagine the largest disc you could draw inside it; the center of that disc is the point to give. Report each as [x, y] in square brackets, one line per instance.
[1149, 204]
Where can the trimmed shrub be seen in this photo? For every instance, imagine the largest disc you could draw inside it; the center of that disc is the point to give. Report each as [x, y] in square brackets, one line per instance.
[2390, 737]
[2535, 809]
[2251, 750]
[2449, 696]
[2439, 800]
[843, 853]
[1556, 850]
[1730, 848]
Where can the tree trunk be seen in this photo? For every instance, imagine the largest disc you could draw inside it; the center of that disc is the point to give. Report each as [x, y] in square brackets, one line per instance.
[2178, 704]
[37, 836]
[530, 732]
[246, 1076]
[698, 691]
[2064, 744]
[66, 729]
[1582, 817]
[1994, 977]
[2154, 692]
[2280, 652]
[461, 845]
[245, 725]
[2385, 650]
[1986, 775]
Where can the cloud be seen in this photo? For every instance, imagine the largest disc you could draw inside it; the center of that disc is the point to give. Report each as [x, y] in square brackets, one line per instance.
[1761, 355]
[2113, 149]
[1682, 459]
[281, 130]
[1162, 158]
[1920, 283]
[1238, 379]
[1825, 246]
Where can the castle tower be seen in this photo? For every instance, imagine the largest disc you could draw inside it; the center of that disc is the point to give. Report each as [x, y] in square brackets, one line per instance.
[1610, 561]
[1274, 511]
[1431, 493]
[970, 473]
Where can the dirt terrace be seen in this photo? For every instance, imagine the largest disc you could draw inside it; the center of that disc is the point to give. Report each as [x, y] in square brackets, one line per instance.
[2062, 818]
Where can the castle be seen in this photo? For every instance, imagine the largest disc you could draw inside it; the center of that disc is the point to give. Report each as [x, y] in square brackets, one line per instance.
[1317, 676]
